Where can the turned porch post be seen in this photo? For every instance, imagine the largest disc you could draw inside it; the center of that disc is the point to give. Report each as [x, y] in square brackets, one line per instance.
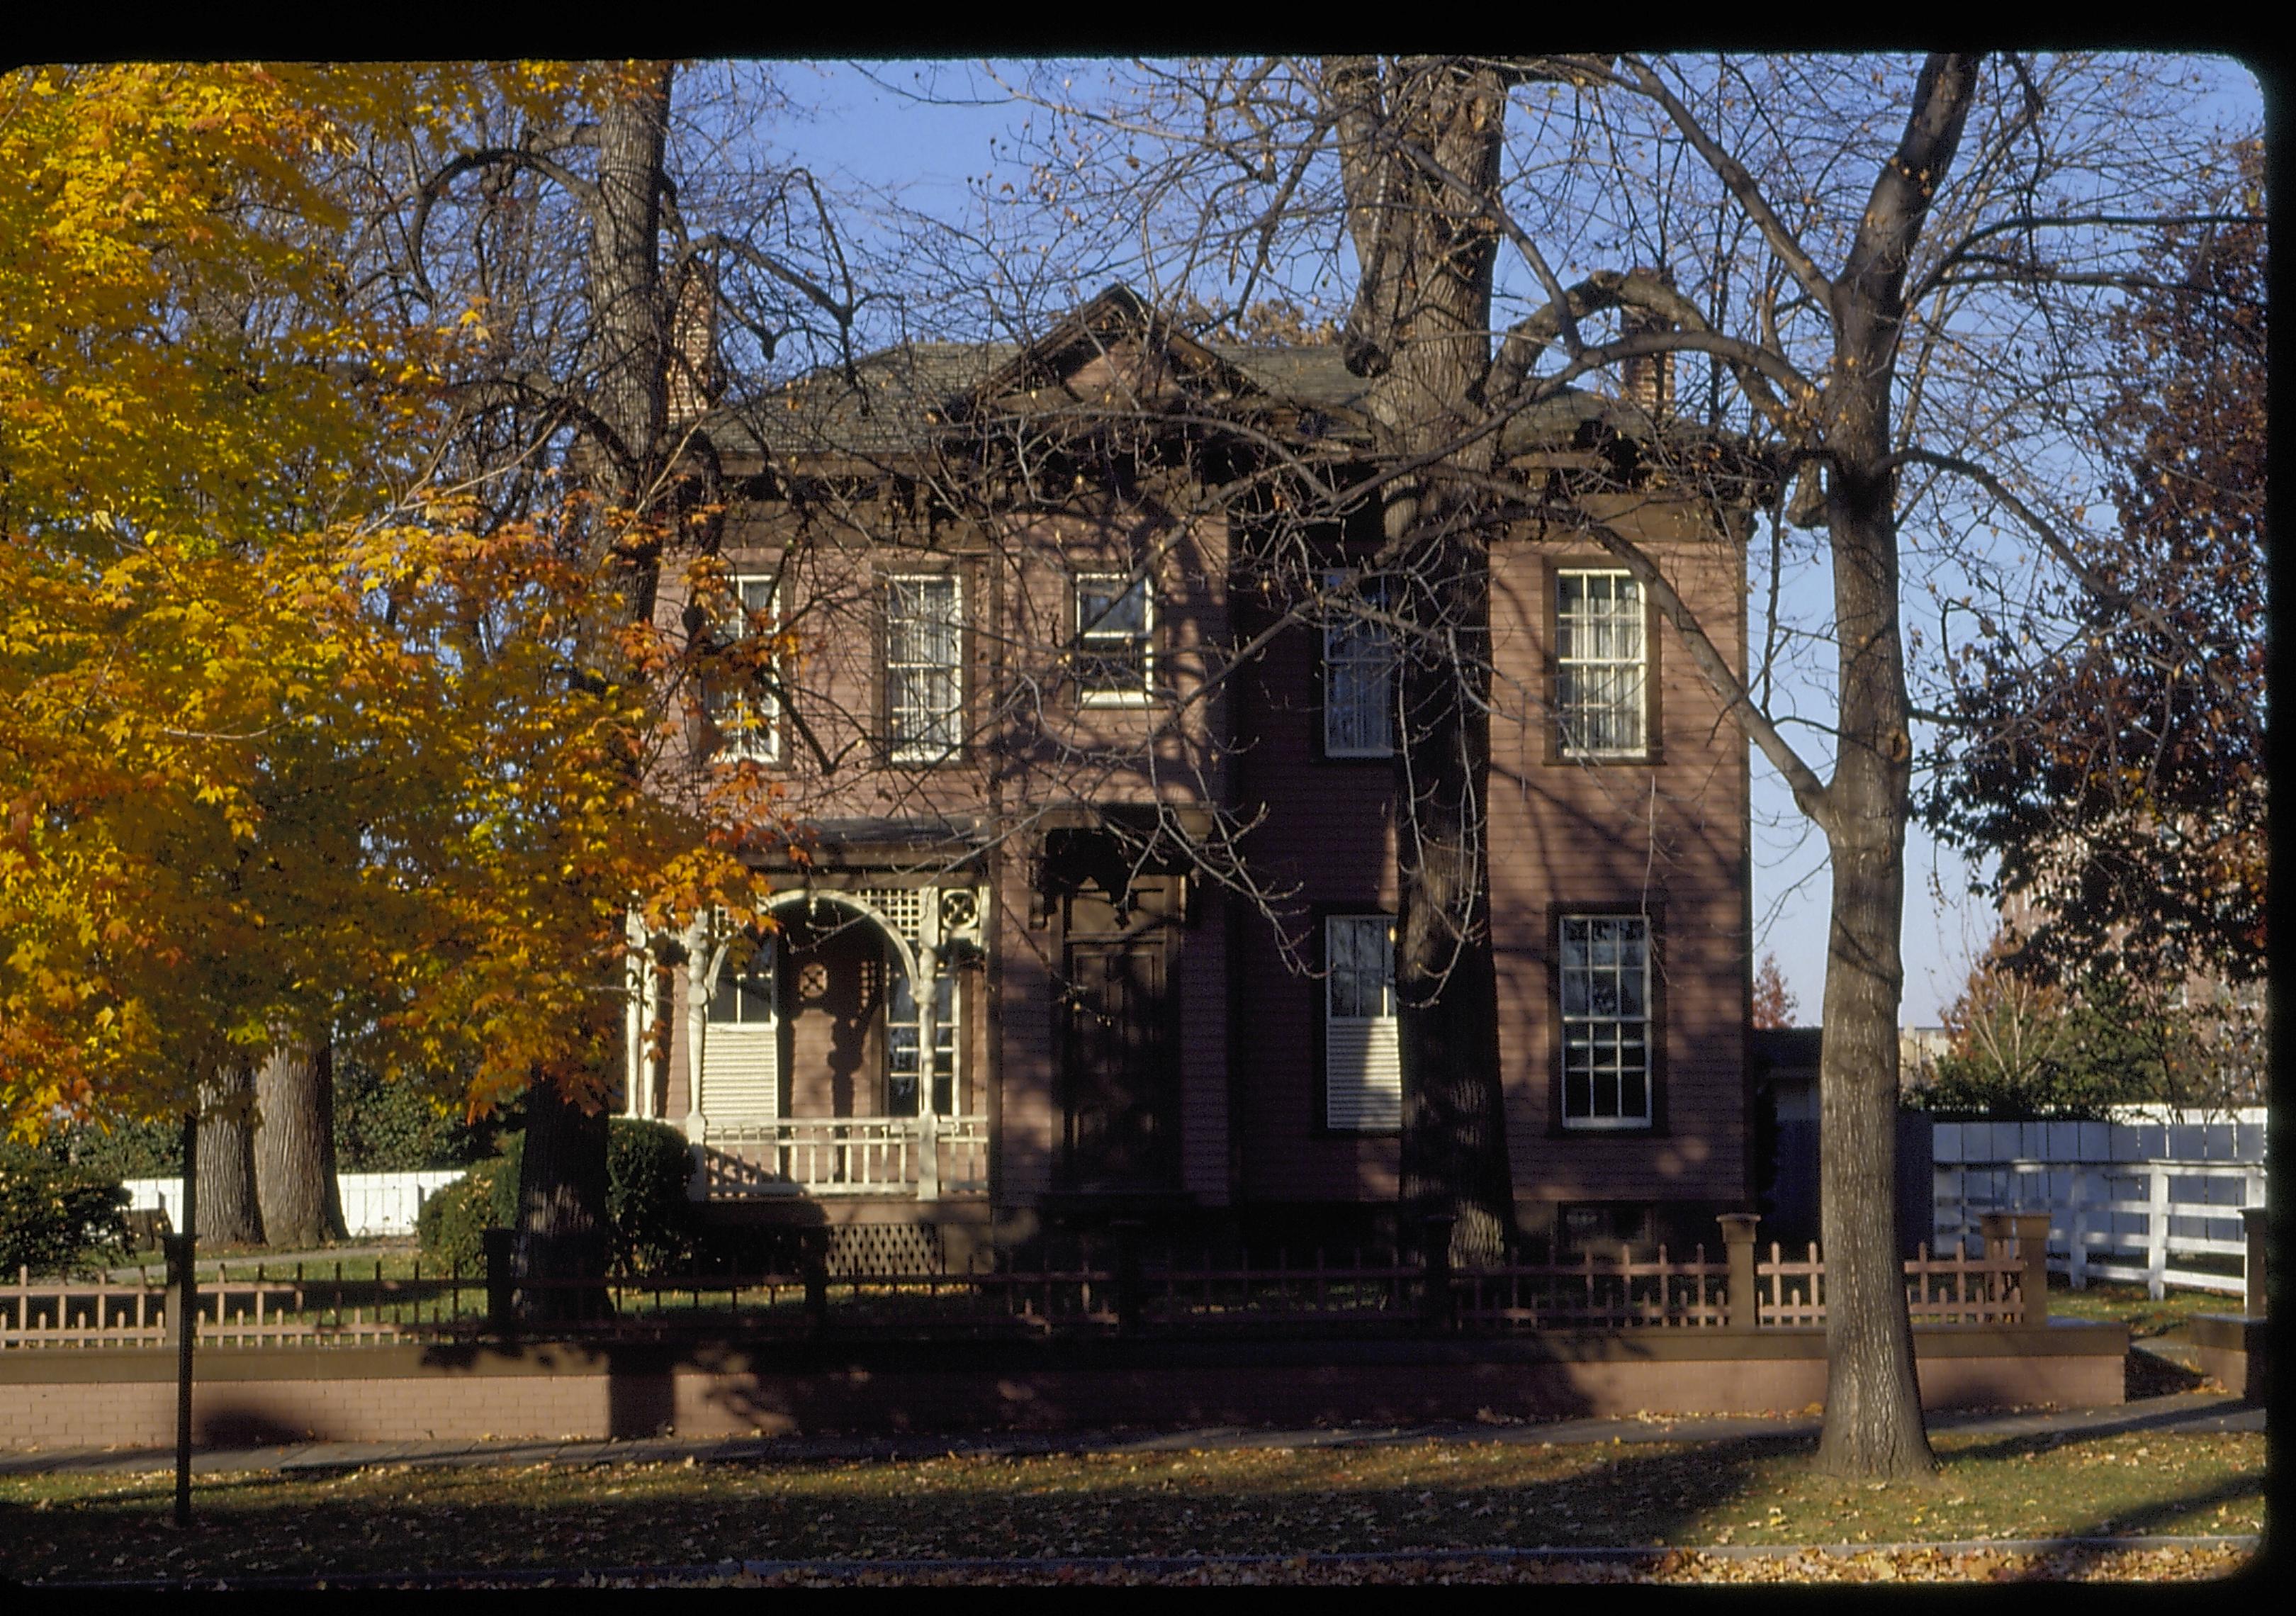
[921, 990]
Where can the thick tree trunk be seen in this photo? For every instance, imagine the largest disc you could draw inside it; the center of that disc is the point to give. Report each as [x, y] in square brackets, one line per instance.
[295, 1145]
[227, 1209]
[562, 1218]
[1420, 325]
[1872, 1403]
[562, 1208]
[1455, 1153]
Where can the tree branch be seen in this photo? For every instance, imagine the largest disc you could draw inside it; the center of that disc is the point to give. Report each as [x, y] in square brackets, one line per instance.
[2063, 548]
[1732, 173]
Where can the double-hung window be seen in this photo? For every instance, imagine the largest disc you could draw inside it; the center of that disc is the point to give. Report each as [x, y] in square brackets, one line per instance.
[742, 706]
[1602, 664]
[1115, 616]
[1606, 1020]
[740, 1046]
[1358, 675]
[1362, 1061]
[903, 1067]
[924, 670]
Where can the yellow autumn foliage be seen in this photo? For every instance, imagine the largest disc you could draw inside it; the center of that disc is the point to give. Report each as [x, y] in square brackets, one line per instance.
[259, 769]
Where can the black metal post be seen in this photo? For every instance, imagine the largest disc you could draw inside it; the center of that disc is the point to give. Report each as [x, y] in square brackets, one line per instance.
[814, 1256]
[502, 1312]
[1435, 1256]
[1128, 1231]
[183, 1253]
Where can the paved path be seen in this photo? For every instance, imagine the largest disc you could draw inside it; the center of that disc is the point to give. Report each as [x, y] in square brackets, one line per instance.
[318, 1258]
[2184, 1411]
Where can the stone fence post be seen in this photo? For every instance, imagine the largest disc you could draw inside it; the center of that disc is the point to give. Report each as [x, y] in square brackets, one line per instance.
[2025, 1235]
[1743, 1301]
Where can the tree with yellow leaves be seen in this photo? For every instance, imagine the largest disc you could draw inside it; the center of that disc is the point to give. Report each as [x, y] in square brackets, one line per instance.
[286, 747]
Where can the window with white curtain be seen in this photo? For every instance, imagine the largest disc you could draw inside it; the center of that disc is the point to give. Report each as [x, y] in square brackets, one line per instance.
[1602, 664]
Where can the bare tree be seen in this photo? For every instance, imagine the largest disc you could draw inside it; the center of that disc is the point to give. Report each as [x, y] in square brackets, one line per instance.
[1881, 279]
[599, 239]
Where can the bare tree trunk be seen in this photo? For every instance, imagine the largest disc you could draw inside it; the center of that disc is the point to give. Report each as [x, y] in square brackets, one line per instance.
[1419, 151]
[562, 1215]
[228, 1213]
[295, 1145]
[1455, 1153]
[1873, 1402]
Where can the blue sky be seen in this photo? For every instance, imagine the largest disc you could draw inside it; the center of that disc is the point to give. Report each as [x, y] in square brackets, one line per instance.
[852, 127]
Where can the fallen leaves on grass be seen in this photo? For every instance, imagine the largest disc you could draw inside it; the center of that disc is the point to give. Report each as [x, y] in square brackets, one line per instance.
[1387, 1500]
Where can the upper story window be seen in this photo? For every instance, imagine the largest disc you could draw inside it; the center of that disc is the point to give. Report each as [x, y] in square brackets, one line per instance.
[1362, 1061]
[924, 670]
[1358, 676]
[1602, 665]
[1606, 1020]
[1115, 618]
[743, 708]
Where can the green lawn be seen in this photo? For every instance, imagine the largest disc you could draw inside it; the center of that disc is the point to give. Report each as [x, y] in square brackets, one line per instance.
[2129, 1305]
[1419, 1496]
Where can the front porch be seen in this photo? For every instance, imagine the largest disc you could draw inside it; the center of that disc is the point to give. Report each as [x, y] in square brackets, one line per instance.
[927, 1157]
[834, 1054]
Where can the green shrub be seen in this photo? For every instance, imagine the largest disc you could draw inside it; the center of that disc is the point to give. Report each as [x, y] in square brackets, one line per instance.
[53, 1214]
[647, 1165]
[397, 1125]
[454, 1217]
[125, 1148]
[651, 1222]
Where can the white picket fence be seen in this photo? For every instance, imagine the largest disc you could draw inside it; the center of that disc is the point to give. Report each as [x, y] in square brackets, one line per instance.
[375, 1205]
[2125, 1200]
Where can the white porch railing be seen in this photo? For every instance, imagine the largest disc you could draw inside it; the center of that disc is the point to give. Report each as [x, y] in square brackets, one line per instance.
[826, 1156]
[2124, 1202]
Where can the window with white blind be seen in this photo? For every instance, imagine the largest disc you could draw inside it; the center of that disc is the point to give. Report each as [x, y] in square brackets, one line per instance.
[924, 669]
[1363, 1061]
[1606, 1020]
[742, 709]
[1358, 675]
[1602, 664]
[741, 1053]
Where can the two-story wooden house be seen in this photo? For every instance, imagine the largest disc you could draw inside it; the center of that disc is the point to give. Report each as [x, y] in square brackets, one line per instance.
[1083, 695]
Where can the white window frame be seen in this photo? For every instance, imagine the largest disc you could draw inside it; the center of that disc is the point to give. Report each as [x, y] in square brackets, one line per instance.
[749, 993]
[1358, 666]
[748, 719]
[1140, 645]
[1362, 1062]
[1602, 659]
[901, 1054]
[939, 723]
[1608, 1028]
[739, 1053]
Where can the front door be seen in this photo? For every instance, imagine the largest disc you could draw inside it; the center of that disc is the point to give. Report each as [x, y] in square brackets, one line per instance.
[1117, 1064]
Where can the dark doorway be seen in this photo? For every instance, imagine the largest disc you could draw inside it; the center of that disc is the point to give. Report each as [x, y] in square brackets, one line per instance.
[1117, 1067]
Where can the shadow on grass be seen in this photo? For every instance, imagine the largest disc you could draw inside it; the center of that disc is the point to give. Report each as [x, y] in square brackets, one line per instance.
[1363, 1498]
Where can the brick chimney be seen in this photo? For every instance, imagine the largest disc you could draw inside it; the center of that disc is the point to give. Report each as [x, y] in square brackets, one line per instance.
[1647, 379]
[695, 380]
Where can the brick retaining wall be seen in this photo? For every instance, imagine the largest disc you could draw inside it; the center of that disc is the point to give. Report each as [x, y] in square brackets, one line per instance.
[259, 1395]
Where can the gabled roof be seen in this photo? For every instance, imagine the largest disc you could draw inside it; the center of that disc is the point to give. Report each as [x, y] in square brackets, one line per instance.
[1116, 353]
